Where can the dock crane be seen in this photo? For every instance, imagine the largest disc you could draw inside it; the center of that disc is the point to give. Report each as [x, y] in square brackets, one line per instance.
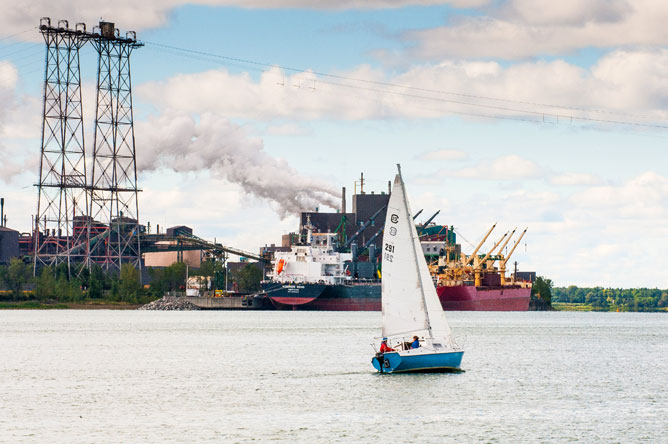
[502, 264]
[424, 225]
[417, 214]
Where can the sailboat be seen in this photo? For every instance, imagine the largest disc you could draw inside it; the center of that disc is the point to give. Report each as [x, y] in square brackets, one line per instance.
[411, 307]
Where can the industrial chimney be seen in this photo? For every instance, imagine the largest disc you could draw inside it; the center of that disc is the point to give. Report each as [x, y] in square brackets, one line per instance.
[343, 200]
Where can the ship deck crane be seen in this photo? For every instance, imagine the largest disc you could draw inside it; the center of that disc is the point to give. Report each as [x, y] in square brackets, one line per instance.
[502, 264]
[473, 255]
[424, 225]
[478, 268]
[506, 242]
[417, 214]
[363, 227]
[372, 238]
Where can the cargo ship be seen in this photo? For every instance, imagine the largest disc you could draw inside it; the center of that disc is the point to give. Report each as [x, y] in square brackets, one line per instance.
[475, 282]
[315, 276]
[333, 264]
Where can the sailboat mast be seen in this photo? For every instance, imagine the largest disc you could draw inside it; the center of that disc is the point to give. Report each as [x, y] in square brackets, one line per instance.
[409, 220]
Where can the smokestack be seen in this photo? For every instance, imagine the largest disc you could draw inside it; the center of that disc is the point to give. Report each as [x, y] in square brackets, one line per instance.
[2, 211]
[343, 200]
[389, 187]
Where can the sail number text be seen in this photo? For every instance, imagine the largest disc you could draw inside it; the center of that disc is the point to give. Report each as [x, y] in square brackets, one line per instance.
[387, 255]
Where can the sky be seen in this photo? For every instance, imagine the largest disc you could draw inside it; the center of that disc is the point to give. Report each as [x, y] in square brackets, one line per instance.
[526, 113]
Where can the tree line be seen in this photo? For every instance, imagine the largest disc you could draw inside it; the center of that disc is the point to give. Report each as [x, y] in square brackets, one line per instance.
[58, 285]
[622, 299]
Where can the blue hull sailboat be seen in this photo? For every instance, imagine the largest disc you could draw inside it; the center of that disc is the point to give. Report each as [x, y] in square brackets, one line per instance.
[416, 335]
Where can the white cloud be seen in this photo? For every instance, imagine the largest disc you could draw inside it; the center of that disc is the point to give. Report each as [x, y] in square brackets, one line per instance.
[528, 28]
[511, 167]
[611, 235]
[444, 155]
[137, 16]
[632, 82]
[19, 119]
[287, 129]
[567, 12]
[575, 179]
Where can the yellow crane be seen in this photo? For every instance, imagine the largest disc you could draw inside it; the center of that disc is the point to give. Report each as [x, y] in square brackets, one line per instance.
[502, 264]
[473, 255]
[478, 267]
[506, 242]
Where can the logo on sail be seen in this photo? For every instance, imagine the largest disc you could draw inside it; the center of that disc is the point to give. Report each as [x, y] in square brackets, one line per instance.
[394, 218]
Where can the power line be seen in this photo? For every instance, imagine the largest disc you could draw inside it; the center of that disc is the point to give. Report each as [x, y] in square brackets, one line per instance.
[17, 33]
[420, 89]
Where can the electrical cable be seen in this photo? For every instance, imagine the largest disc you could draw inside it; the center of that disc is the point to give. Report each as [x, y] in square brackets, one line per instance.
[409, 87]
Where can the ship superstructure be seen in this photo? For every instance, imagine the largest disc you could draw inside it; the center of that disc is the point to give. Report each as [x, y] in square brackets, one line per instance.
[315, 276]
[315, 262]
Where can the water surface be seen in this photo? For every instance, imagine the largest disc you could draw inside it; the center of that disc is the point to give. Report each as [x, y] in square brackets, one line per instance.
[131, 376]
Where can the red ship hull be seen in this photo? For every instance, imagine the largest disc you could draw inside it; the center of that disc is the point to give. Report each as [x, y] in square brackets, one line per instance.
[471, 298]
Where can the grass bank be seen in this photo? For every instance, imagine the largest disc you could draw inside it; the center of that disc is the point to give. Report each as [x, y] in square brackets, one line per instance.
[93, 305]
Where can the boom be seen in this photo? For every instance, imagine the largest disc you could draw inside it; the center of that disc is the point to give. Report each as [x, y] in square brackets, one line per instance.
[470, 259]
[515, 246]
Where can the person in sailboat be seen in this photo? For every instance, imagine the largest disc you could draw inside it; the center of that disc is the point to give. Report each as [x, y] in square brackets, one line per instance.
[384, 348]
[416, 342]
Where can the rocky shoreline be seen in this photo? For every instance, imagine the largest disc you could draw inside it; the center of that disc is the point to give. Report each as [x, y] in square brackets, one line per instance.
[170, 303]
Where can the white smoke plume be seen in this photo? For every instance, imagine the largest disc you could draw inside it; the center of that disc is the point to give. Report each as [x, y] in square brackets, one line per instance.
[177, 141]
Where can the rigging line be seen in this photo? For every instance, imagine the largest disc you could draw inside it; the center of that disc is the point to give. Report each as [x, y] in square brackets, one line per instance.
[462, 236]
[393, 85]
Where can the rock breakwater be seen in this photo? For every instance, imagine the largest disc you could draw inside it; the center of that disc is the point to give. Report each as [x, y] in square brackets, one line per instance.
[170, 303]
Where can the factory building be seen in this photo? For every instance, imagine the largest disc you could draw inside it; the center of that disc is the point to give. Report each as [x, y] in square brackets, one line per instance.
[366, 209]
[9, 245]
[192, 258]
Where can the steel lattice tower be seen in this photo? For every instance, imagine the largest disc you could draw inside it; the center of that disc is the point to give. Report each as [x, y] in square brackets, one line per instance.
[60, 225]
[114, 208]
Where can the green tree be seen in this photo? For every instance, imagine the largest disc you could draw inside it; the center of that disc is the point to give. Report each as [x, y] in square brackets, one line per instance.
[248, 278]
[129, 283]
[18, 275]
[207, 268]
[219, 276]
[542, 289]
[96, 281]
[45, 286]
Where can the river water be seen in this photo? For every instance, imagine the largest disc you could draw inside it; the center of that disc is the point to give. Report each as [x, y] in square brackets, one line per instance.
[134, 376]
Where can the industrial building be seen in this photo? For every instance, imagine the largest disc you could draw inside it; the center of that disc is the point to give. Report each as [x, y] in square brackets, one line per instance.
[9, 245]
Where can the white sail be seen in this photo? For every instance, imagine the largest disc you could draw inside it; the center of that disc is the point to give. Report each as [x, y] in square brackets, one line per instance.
[410, 303]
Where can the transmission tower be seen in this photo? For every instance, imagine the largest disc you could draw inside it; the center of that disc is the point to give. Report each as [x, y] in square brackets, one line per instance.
[114, 210]
[60, 225]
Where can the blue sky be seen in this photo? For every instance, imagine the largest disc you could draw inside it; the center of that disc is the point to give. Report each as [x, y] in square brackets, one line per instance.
[498, 111]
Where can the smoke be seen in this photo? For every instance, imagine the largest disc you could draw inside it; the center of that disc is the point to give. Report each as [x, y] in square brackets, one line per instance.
[178, 142]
